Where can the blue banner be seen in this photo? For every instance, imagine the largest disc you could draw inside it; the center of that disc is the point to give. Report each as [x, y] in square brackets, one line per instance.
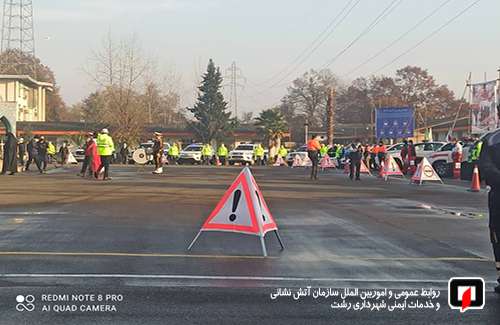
[395, 122]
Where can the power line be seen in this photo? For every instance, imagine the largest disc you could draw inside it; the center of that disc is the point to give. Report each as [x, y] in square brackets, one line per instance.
[436, 31]
[385, 12]
[397, 40]
[320, 40]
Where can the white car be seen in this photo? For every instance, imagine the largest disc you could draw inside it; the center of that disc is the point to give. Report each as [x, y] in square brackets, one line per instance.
[79, 154]
[301, 151]
[243, 154]
[442, 160]
[191, 154]
[422, 149]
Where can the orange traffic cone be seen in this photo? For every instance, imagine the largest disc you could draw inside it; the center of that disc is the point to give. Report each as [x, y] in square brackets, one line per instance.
[476, 182]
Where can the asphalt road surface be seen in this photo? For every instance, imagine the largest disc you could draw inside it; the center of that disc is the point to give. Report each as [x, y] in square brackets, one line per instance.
[124, 242]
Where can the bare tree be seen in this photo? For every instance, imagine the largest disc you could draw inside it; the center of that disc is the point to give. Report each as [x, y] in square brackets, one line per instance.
[309, 95]
[118, 69]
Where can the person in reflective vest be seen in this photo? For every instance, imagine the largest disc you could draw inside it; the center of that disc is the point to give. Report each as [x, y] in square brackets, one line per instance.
[259, 153]
[173, 153]
[313, 147]
[282, 152]
[51, 152]
[324, 150]
[207, 153]
[489, 164]
[476, 152]
[381, 152]
[222, 153]
[105, 148]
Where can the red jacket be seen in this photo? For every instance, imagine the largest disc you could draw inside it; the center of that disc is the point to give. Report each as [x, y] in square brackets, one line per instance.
[91, 151]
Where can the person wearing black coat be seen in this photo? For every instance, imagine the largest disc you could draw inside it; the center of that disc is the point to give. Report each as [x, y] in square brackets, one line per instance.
[32, 148]
[42, 158]
[9, 149]
[355, 157]
[10, 155]
[489, 164]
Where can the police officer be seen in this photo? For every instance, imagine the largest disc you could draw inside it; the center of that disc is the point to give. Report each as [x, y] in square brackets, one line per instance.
[259, 153]
[158, 153]
[489, 163]
[207, 154]
[173, 153]
[222, 153]
[105, 148]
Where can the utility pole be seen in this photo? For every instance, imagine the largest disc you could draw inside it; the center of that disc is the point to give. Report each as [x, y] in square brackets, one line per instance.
[18, 37]
[330, 115]
[306, 130]
[234, 74]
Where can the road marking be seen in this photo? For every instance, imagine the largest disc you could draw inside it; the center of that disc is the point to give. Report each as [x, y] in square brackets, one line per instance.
[333, 258]
[32, 213]
[109, 254]
[221, 277]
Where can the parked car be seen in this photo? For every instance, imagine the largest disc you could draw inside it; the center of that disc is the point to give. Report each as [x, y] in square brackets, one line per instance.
[243, 154]
[191, 154]
[422, 149]
[79, 154]
[442, 160]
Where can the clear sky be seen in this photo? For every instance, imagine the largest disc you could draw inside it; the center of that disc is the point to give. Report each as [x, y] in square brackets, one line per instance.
[264, 37]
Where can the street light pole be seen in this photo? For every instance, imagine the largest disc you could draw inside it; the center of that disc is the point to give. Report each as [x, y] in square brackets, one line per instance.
[306, 131]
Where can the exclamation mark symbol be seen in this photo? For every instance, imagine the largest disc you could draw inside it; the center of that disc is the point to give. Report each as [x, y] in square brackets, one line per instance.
[260, 205]
[236, 200]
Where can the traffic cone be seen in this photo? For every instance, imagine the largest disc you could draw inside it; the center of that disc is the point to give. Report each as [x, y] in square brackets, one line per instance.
[476, 182]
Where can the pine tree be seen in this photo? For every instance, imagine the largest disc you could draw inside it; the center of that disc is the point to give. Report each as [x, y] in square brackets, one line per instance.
[212, 120]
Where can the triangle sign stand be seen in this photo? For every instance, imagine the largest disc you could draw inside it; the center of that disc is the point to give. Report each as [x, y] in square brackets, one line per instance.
[326, 162]
[425, 172]
[242, 209]
[391, 168]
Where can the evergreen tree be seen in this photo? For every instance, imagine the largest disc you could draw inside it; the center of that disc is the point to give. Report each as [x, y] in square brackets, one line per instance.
[212, 120]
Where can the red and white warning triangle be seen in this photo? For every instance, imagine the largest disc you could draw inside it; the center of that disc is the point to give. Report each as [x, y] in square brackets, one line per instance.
[425, 172]
[327, 162]
[391, 168]
[242, 209]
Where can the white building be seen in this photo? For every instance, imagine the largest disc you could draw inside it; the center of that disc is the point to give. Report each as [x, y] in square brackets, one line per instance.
[26, 96]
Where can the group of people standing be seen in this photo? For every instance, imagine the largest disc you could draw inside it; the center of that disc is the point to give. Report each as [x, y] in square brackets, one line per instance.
[99, 149]
[37, 151]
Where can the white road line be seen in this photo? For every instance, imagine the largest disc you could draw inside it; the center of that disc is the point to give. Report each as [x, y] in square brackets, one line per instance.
[31, 213]
[224, 278]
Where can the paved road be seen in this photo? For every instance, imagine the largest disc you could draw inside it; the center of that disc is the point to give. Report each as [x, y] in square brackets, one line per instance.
[60, 234]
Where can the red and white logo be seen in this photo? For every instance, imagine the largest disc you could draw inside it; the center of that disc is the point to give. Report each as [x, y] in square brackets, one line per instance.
[466, 293]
